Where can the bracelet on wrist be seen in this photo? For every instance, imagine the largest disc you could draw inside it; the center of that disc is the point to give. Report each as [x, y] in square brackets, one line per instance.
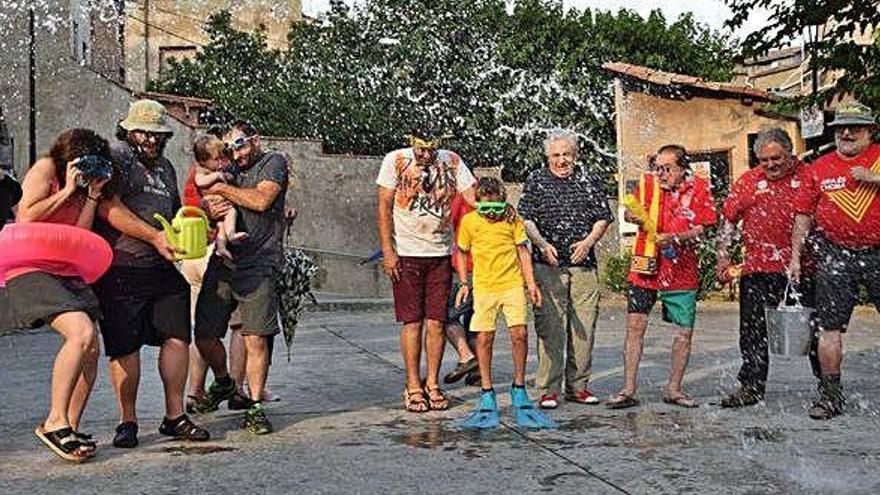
[95, 199]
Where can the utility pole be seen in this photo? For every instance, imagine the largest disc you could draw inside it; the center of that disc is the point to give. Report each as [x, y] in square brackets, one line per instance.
[32, 85]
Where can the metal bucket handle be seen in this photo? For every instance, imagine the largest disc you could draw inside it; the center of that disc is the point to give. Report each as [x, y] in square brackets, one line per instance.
[794, 295]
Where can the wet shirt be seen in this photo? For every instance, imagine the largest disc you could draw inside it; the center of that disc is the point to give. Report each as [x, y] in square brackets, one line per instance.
[423, 197]
[766, 208]
[681, 210]
[145, 191]
[846, 211]
[261, 250]
[564, 210]
[493, 246]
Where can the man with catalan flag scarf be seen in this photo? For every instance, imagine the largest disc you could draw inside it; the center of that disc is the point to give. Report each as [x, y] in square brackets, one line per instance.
[841, 199]
[672, 208]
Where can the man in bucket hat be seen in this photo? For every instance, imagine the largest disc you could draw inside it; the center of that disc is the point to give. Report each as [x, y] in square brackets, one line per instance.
[144, 299]
[841, 197]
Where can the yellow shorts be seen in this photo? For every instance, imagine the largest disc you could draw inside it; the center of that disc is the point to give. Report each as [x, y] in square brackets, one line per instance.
[487, 306]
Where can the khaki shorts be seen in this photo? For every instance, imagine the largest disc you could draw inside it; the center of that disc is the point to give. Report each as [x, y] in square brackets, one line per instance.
[512, 303]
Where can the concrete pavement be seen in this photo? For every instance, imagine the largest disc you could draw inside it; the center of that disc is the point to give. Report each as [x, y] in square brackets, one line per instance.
[341, 427]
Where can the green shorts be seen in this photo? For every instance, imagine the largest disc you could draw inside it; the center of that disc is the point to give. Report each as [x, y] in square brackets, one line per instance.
[679, 306]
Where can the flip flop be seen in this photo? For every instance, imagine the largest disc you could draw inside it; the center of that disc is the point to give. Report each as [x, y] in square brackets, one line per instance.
[485, 416]
[622, 401]
[683, 400]
[526, 414]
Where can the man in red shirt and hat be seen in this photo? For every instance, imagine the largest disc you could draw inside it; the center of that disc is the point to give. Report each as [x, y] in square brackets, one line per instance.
[840, 198]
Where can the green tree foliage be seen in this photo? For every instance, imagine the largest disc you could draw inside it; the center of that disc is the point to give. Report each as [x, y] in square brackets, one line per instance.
[495, 76]
[836, 50]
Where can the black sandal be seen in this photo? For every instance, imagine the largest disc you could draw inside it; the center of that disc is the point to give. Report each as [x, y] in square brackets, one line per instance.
[86, 440]
[182, 428]
[64, 443]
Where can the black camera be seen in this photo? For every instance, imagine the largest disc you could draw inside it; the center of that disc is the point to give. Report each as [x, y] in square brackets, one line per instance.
[92, 167]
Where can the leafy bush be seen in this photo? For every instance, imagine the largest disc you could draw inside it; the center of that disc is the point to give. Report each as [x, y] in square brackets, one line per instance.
[615, 272]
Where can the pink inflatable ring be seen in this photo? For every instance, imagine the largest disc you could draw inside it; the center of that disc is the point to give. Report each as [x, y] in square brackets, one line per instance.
[54, 248]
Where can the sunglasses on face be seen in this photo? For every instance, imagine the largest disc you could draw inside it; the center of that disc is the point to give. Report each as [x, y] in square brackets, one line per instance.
[491, 207]
[155, 137]
[238, 143]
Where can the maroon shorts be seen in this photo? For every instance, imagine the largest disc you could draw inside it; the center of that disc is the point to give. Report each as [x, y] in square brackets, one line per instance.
[423, 289]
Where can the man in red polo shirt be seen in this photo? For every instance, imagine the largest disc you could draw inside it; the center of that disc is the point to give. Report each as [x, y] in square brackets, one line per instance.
[763, 200]
[840, 195]
[686, 210]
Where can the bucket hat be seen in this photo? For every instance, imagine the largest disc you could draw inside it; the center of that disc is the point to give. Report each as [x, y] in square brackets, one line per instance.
[147, 116]
[853, 113]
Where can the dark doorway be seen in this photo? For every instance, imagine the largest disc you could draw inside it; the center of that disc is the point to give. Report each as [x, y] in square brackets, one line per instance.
[715, 166]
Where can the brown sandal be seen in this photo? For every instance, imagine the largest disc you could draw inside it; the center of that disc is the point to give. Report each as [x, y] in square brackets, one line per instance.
[414, 401]
[437, 399]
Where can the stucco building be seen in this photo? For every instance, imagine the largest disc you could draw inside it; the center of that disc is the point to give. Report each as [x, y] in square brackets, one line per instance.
[716, 122]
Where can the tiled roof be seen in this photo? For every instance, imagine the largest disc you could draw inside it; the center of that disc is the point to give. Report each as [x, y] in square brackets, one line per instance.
[670, 79]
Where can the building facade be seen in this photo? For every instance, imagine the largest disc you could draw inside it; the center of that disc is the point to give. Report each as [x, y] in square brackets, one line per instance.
[716, 122]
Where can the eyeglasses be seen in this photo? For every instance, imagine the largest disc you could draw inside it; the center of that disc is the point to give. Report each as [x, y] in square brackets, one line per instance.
[239, 142]
[492, 207]
[664, 169]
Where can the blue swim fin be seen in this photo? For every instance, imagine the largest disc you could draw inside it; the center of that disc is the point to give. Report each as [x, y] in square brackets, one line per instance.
[525, 413]
[485, 416]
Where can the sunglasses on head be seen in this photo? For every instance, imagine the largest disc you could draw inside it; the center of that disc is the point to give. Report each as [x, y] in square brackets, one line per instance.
[238, 143]
[493, 207]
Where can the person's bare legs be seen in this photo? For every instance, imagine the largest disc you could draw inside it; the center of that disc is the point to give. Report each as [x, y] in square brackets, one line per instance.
[78, 331]
[84, 384]
[125, 375]
[830, 351]
[519, 340]
[198, 372]
[681, 351]
[435, 343]
[237, 355]
[636, 325]
[173, 365]
[411, 348]
[212, 350]
[457, 337]
[484, 344]
[257, 364]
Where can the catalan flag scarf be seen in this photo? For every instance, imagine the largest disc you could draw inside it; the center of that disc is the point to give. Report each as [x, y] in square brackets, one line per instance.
[646, 207]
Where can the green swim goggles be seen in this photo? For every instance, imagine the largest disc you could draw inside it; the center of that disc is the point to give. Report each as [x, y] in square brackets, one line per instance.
[493, 207]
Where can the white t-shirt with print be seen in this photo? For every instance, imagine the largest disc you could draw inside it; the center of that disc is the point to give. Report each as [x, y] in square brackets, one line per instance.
[423, 200]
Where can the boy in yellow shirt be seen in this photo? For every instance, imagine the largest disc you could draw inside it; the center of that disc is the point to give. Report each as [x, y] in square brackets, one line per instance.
[498, 245]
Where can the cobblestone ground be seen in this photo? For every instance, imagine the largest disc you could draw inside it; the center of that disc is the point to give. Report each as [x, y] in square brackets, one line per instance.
[340, 427]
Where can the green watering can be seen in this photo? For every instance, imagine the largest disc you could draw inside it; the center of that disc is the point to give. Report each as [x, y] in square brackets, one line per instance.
[187, 233]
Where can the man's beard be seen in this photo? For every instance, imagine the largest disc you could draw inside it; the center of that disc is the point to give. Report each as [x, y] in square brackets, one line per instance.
[850, 148]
